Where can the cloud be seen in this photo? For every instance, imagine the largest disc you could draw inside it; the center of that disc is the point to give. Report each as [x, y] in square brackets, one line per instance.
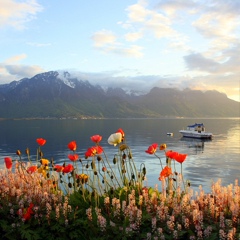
[15, 58]
[16, 14]
[105, 41]
[197, 61]
[133, 36]
[228, 61]
[16, 72]
[103, 37]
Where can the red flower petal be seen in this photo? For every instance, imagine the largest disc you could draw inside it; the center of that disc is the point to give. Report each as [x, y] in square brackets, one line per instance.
[41, 141]
[152, 149]
[96, 138]
[73, 157]
[8, 162]
[180, 157]
[72, 145]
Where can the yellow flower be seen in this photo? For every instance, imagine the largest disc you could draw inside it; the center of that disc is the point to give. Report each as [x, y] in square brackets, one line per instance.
[42, 171]
[163, 146]
[44, 162]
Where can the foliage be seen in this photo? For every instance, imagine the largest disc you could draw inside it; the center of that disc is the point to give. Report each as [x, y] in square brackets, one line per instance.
[93, 198]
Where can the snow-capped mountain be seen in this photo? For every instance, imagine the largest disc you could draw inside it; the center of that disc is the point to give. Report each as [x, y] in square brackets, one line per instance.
[54, 94]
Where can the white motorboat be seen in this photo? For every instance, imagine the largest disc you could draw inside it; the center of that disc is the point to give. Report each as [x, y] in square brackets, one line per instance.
[196, 130]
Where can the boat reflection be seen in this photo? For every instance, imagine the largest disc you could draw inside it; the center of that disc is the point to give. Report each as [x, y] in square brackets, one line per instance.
[196, 144]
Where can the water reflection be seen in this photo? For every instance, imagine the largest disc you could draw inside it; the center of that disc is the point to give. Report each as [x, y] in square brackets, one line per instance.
[197, 145]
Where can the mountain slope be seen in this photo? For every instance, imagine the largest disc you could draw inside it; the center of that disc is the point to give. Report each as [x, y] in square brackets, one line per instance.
[49, 95]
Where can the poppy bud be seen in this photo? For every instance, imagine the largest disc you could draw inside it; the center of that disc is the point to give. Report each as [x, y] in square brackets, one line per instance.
[130, 155]
[27, 151]
[18, 152]
[40, 153]
[124, 156]
[144, 171]
[133, 176]
[111, 191]
[111, 176]
[114, 160]
[99, 158]
[95, 172]
[80, 160]
[123, 147]
[87, 166]
[104, 169]
[48, 175]
[103, 181]
[93, 165]
[175, 173]
[70, 185]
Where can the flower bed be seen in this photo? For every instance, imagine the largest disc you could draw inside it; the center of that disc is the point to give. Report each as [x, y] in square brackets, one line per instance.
[93, 198]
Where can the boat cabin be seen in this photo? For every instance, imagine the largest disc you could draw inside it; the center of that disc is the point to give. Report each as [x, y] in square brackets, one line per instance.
[198, 127]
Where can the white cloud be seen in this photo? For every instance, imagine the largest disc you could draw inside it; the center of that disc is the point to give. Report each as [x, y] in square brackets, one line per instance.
[133, 36]
[15, 58]
[103, 37]
[16, 14]
[11, 72]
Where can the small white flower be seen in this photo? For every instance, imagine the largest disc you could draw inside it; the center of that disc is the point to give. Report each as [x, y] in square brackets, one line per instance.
[115, 138]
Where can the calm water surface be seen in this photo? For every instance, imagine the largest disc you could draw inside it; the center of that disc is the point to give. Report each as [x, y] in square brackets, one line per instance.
[206, 162]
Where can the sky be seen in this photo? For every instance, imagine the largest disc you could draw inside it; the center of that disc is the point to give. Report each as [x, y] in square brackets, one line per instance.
[124, 43]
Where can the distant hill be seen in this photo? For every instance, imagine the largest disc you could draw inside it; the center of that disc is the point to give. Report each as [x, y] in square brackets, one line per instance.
[47, 95]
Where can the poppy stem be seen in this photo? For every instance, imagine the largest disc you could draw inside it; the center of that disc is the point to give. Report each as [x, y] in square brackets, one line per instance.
[183, 179]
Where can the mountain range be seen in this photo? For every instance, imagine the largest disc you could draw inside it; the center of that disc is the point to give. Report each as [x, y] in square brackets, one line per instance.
[48, 95]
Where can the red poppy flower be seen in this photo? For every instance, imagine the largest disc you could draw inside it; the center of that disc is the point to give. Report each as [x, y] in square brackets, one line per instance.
[92, 151]
[41, 141]
[122, 132]
[152, 149]
[96, 138]
[58, 168]
[32, 169]
[99, 149]
[29, 212]
[166, 172]
[8, 162]
[180, 158]
[171, 154]
[72, 145]
[73, 157]
[67, 169]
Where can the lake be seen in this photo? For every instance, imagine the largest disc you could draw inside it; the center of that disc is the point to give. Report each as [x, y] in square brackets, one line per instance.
[206, 162]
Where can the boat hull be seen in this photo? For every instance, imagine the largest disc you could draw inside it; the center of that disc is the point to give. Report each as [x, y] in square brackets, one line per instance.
[194, 134]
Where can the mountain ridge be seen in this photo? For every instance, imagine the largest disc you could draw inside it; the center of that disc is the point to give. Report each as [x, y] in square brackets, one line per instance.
[48, 95]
